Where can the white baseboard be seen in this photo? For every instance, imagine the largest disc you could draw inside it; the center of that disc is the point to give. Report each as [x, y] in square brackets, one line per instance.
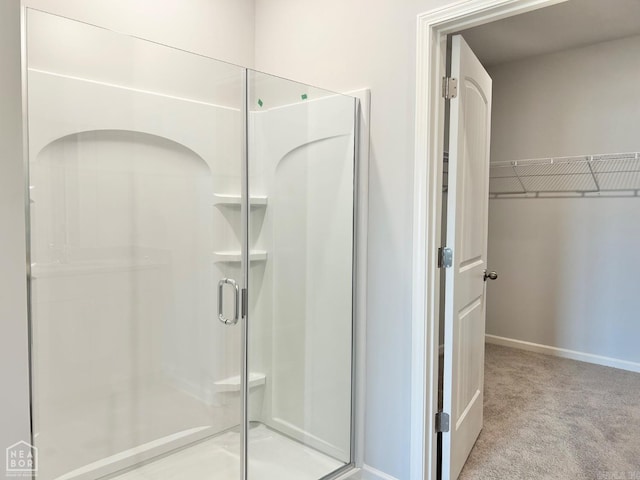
[370, 473]
[564, 353]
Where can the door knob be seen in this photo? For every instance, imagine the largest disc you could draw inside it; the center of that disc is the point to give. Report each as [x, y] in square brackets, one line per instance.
[490, 276]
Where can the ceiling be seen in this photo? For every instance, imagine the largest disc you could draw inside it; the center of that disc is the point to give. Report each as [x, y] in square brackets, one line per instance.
[572, 24]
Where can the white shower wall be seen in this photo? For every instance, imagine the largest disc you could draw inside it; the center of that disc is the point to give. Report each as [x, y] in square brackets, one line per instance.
[302, 160]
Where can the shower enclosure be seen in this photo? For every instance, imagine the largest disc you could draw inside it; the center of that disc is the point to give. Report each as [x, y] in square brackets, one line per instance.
[191, 263]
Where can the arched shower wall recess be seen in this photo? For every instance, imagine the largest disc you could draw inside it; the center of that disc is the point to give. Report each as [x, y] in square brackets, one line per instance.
[66, 175]
[99, 106]
[114, 213]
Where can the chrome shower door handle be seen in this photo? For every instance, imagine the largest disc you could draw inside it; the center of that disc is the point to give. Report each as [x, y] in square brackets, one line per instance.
[236, 301]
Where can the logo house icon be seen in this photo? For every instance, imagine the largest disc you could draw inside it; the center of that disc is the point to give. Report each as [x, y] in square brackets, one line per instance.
[22, 457]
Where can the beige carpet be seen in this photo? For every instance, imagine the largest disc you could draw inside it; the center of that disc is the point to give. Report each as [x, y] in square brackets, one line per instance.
[552, 418]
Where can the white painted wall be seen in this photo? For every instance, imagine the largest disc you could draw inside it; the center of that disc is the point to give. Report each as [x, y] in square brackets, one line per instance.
[222, 29]
[568, 274]
[14, 401]
[567, 266]
[345, 46]
[579, 101]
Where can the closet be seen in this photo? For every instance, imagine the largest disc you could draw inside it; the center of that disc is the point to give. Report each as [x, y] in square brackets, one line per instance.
[564, 208]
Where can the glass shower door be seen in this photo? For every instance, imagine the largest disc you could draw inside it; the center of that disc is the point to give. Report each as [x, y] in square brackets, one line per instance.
[136, 171]
[301, 240]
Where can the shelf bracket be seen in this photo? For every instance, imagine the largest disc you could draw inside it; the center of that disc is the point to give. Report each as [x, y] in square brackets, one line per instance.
[593, 175]
[515, 172]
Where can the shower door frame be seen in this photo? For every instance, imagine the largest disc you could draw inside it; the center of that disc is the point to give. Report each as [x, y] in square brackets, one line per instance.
[359, 257]
[244, 292]
[361, 111]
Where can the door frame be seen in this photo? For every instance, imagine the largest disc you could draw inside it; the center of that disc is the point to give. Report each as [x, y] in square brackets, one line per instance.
[432, 29]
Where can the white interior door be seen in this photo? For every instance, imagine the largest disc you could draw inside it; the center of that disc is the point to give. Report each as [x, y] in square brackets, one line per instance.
[467, 236]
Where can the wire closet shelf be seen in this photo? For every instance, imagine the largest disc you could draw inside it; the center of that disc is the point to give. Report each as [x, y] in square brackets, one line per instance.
[585, 175]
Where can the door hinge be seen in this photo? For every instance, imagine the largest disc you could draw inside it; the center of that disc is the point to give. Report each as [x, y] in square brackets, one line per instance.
[245, 303]
[442, 422]
[449, 88]
[445, 257]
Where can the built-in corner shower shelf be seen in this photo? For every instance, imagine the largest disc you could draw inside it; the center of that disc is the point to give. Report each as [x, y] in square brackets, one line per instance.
[236, 200]
[584, 175]
[236, 256]
[232, 384]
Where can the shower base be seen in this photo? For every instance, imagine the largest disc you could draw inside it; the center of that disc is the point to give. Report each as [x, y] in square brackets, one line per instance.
[272, 456]
[74, 445]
